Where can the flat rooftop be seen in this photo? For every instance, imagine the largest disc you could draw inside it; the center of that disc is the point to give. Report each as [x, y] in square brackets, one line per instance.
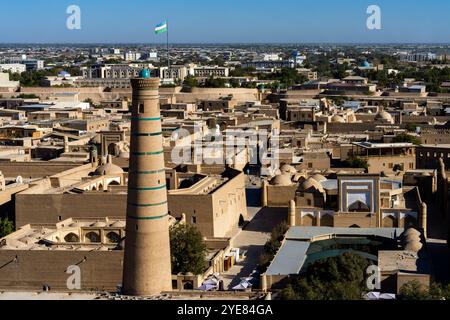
[370, 145]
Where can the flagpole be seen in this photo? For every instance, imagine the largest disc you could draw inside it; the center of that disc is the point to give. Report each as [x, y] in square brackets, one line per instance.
[168, 50]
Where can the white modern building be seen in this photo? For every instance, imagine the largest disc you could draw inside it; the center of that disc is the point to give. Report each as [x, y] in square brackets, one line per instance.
[13, 67]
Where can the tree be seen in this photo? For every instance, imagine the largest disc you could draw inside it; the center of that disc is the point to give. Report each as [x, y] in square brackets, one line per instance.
[188, 249]
[214, 83]
[6, 227]
[412, 127]
[242, 72]
[286, 77]
[414, 290]
[334, 278]
[89, 100]
[190, 81]
[273, 244]
[404, 137]
[27, 96]
[356, 162]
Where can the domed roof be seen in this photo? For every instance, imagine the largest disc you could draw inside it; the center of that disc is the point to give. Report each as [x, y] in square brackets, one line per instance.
[288, 169]
[318, 177]
[383, 115]
[118, 224]
[414, 246]
[98, 224]
[108, 168]
[298, 176]
[337, 119]
[411, 231]
[281, 180]
[145, 74]
[311, 183]
[124, 155]
[411, 240]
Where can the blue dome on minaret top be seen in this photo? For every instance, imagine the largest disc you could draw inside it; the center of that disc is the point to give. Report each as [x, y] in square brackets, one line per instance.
[145, 74]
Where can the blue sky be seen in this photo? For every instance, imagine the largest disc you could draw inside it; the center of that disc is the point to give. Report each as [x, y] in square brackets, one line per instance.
[225, 21]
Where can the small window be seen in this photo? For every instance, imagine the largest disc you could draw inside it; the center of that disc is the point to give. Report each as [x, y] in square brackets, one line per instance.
[141, 108]
[194, 220]
[59, 218]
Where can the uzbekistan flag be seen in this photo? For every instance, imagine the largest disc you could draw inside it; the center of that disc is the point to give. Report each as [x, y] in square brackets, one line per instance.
[161, 28]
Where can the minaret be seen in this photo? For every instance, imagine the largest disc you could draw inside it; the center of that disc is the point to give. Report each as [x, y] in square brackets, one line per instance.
[147, 268]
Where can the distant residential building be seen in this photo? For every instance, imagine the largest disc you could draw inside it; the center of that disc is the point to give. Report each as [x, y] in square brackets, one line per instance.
[132, 56]
[31, 64]
[13, 67]
[308, 73]
[271, 57]
[417, 57]
[113, 71]
[213, 71]
[150, 56]
[175, 72]
[280, 64]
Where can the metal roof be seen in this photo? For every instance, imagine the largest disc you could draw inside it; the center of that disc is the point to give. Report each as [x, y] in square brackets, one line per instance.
[289, 259]
[293, 252]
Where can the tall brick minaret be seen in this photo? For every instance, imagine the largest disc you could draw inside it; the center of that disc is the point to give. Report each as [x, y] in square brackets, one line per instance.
[147, 268]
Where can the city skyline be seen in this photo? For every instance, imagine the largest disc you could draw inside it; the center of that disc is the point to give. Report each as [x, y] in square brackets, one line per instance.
[329, 22]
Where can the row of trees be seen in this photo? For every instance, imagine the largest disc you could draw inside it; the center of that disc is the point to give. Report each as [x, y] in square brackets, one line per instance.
[284, 78]
[414, 290]
[273, 244]
[34, 78]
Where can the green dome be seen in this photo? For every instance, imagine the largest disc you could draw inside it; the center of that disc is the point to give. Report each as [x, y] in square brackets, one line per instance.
[145, 73]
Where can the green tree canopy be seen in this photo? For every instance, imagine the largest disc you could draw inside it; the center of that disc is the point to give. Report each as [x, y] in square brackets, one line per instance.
[404, 137]
[188, 249]
[190, 81]
[334, 278]
[356, 162]
[214, 83]
[6, 227]
[414, 290]
[273, 244]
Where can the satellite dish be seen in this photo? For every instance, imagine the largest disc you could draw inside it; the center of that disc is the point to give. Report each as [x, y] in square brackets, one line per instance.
[19, 179]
